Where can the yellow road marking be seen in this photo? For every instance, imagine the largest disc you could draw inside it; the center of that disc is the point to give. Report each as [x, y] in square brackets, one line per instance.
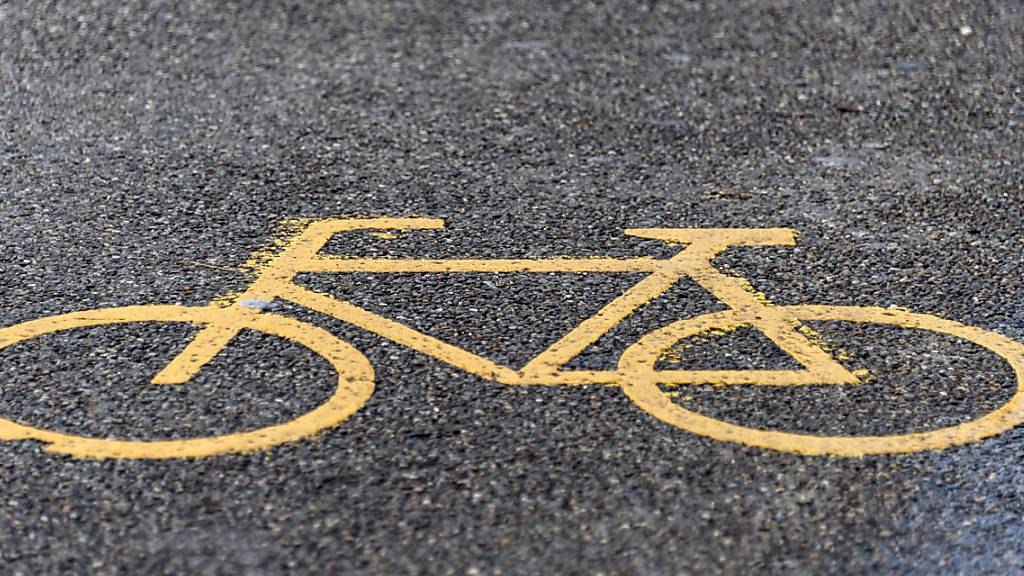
[333, 264]
[355, 384]
[643, 385]
[400, 333]
[277, 267]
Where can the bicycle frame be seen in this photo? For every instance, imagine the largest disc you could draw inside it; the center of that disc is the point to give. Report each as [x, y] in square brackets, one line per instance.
[302, 255]
[636, 374]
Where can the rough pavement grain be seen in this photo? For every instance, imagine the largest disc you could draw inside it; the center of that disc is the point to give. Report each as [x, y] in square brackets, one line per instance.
[147, 148]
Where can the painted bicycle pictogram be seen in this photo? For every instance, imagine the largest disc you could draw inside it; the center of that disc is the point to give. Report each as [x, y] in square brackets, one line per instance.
[636, 373]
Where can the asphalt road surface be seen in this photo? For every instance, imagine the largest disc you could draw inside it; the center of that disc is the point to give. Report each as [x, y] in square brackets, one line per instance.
[147, 149]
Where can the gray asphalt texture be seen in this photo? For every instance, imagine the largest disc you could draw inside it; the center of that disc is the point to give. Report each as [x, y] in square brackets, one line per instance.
[141, 142]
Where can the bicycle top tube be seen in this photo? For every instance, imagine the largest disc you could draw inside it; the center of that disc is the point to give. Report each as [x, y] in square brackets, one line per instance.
[395, 265]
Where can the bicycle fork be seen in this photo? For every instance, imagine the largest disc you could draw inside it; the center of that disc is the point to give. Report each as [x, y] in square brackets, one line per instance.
[694, 261]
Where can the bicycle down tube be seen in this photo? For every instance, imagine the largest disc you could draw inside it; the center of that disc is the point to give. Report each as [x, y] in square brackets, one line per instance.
[302, 255]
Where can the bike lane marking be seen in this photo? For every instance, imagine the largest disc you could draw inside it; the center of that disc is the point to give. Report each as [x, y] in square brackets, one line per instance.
[226, 316]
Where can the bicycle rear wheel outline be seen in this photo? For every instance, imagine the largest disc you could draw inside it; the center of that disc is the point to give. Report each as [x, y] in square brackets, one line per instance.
[355, 385]
[640, 382]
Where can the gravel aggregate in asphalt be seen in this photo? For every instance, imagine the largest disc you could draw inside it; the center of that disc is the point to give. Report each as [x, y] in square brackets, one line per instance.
[147, 148]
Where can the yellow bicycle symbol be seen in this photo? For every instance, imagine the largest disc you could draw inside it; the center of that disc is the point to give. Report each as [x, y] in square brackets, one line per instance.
[636, 373]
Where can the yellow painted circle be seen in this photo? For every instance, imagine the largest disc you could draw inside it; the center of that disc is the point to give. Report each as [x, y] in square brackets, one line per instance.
[355, 385]
[641, 383]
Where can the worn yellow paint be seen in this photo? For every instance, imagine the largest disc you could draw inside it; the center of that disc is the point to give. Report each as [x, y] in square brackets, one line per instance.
[276, 273]
[298, 249]
[285, 231]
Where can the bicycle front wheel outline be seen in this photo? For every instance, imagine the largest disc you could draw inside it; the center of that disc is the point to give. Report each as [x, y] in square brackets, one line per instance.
[640, 382]
[355, 385]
